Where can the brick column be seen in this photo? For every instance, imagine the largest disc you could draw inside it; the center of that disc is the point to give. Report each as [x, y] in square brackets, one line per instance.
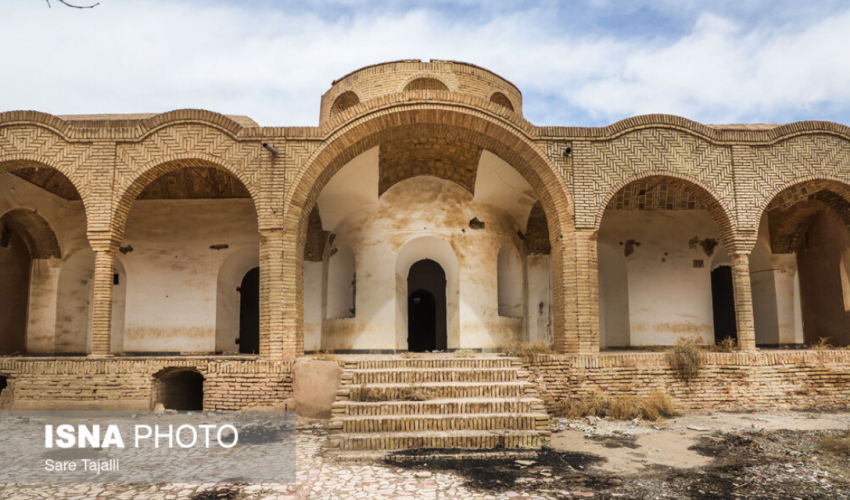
[273, 344]
[580, 292]
[101, 328]
[743, 301]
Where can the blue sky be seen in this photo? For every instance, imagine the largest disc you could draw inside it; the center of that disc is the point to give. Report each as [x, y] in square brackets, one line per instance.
[580, 63]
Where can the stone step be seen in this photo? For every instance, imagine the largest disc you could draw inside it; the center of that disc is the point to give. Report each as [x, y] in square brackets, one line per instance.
[423, 375]
[442, 440]
[439, 407]
[438, 390]
[426, 362]
[427, 423]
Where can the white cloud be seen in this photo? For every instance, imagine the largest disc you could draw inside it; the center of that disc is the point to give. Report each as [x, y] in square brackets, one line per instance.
[134, 56]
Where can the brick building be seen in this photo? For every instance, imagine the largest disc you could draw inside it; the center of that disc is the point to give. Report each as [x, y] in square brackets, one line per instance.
[424, 212]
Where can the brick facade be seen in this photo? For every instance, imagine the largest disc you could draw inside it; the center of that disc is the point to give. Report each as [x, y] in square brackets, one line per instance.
[736, 172]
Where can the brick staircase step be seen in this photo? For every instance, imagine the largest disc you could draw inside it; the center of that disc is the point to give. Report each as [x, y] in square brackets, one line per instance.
[461, 422]
[447, 440]
[397, 362]
[439, 407]
[423, 375]
[434, 390]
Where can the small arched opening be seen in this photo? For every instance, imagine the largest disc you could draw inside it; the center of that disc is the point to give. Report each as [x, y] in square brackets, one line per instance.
[249, 313]
[344, 101]
[426, 305]
[180, 389]
[425, 84]
[502, 100]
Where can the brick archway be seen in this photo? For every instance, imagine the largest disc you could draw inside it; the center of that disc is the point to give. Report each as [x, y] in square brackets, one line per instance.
[720, 212]
[151, 172]
[35, 231]
[477, 128]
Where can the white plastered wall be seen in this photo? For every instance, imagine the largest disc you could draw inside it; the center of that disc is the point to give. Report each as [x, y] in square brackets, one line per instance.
[173, 273]
[539, 301]
[668, 296]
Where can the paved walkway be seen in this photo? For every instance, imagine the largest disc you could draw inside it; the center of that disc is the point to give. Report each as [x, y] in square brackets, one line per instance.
[318, 478]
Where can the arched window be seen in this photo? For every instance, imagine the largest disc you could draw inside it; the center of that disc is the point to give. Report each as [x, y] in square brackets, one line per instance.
[344, 101]
[425, 84]
[510, 282]
[341, 283]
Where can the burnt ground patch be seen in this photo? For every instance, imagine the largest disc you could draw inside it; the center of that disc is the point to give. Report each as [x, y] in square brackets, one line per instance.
[749, 464]
[551, 473]
[220, 493]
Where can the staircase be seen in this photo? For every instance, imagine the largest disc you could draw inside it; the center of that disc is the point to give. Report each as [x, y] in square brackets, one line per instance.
[476, 403]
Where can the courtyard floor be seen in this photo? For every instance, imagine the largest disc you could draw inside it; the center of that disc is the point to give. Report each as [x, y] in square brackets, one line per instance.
[699, 455]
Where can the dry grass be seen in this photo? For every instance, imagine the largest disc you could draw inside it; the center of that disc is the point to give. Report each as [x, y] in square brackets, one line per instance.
[822, 344]
[728, 344]
[526, 349]
[463, 353]
[651, 408]
[686, 356]
[408, 355]
[326, 355]
[838, 444]
[366, 394]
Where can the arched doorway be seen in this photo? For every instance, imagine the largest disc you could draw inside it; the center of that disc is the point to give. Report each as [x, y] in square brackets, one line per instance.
[819, 261]
[723, 303]
[426, 302]
[249, 313]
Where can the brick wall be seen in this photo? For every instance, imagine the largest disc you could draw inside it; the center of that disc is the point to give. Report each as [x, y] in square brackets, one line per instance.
[126, 383]
[728, 381]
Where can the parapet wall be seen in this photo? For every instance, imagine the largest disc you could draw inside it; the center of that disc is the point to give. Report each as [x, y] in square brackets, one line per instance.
[739, 381]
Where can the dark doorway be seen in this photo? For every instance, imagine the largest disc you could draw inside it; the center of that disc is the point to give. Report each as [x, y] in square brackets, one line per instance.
[426, 307]
[15, 264]
[723, 301]
[249, 313]
[181, 390]
[821, 293]
[4, 382]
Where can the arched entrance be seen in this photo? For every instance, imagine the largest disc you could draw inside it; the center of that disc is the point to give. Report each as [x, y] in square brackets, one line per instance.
[179, 389]
[426, 306]
[15, 262]
[249, 313]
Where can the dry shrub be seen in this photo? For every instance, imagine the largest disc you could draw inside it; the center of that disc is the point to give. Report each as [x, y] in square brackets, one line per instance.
[526, 349]
[366, 394]
[838, 444]
[412, 393]
[326, 355]
[657, 405]
[822, 344]
[625, 408]
[686, 356]
[728, 344]
[463, 353]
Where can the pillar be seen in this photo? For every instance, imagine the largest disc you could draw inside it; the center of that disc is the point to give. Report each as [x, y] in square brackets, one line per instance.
[579, 289]
[743, 301]
[101, 330]
[275, 341]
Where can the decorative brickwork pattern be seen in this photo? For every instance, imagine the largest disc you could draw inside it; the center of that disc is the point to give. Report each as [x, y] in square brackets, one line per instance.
[443, 157]
[656, 196]
[670, 154]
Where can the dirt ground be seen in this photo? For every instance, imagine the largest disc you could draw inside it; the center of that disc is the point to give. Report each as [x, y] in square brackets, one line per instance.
[700, 456]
